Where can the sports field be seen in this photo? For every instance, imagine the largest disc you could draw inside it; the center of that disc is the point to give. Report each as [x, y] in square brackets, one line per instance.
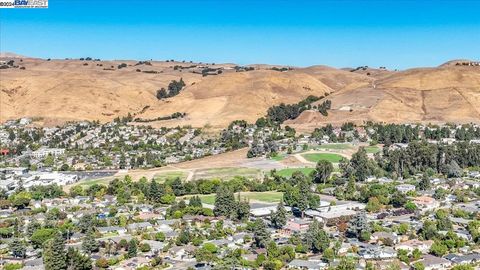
[335, 146]
[315, 157]
[289, 171]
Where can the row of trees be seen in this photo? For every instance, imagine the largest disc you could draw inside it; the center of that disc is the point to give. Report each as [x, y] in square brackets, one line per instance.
[173, 89]
[279, 113]
[421, 156]
[227, 206]
[393, 133]
[417, 157]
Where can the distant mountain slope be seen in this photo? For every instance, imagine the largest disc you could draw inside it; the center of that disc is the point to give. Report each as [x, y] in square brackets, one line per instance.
[446, 94]
[64, 90]
[11, 55]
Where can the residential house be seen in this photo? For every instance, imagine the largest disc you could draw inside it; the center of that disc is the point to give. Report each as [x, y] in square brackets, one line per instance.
[434, 263]
[112, 229]
[307, 264]
[411, 245]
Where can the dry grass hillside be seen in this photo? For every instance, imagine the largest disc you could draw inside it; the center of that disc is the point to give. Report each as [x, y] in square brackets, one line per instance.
[63, 90]
[433, 95]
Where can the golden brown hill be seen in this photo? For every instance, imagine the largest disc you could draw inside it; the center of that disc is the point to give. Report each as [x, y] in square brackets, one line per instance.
[219, 100]
[433, 95]
[63, 90]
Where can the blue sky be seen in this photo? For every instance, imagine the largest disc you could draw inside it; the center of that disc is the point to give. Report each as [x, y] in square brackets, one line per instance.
[397, 34]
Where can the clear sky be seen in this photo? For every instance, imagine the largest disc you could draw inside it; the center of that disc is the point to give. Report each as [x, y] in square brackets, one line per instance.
[396, 34]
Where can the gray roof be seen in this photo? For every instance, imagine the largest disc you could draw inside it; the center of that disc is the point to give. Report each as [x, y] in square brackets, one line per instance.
[307, 264]
[110, 229]
[455, 258]
[139, 225]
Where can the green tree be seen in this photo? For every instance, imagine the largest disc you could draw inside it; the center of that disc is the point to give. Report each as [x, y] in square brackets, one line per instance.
[155, 192]
[145, 247]
[195, 201]
[160, 236]
[424, 183]
[132, 248]
[212, 248]
[418, 266]
[346, 263]
[279, 218]
[361, 165]
[454, 170]
[40, 236]
[49, 161]
[206, 253]
[18, 248]
[322, 171]
[329, 255]
[316, 239]
[78, 261]
[21, 199]
[224, 201]
[241, 210]
[89, 244]
[410, 206]
[403, 228]
[373, 205]
[32, 227]
[161, 93]
[398, 199]
[178, 187]
[183, 237]
[438, 249]
[54, 255]
[358, 227]
[260, 233]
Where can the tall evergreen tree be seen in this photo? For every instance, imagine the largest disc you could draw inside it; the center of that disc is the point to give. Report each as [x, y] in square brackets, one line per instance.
[195, 201]
[279, 218]
[424, 183]
[361, 165]
[78, 261]
[89, 244]
[178, 187]
[358, 227]
[86, 223]
[224, 201]
[54, 255]
[132, 248]
[242, 210]
[155, 192]
[316, 238]
[260, 233]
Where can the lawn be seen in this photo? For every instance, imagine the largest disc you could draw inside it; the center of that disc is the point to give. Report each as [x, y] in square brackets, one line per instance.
[278, 157]
[289, 171]
[226, 173]
[268, 197]
[335, 146]
[372, 149]
[163, 176]
[334, 158]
